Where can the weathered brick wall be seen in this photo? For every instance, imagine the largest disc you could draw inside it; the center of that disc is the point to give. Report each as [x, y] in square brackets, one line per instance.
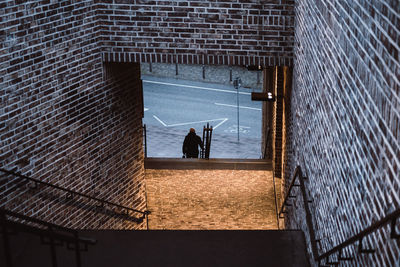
[62, 118]
[243, 32]
[345, 128]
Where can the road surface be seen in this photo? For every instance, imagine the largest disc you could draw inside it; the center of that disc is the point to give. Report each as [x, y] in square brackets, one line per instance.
[179, 104]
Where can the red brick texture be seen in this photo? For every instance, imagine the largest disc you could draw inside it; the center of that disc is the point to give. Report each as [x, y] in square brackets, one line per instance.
[64, 117]
[345, 124]
[244, 32]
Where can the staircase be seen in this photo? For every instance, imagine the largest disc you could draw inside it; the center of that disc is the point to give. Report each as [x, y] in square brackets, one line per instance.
[119, 248]
[196, 248]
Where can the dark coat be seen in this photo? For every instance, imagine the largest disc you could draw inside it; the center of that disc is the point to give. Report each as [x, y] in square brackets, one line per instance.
[191, 145]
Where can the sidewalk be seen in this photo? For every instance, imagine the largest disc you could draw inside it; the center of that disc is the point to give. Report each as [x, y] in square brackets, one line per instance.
[167, 143]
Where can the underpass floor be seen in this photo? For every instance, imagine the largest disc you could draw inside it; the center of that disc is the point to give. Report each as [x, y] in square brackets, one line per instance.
[211, 199]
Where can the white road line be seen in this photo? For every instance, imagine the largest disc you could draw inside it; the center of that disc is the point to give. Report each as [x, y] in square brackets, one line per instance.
[146, 109]
[226, 105]
[222, 122]
[241, 126]
[160, 121]
[192, 122]
[198, 87]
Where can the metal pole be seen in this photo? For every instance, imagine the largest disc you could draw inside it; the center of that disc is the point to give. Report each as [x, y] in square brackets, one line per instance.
[77, 250]
[6, 241]
[52, 247]
[237, 113]
[145, 141]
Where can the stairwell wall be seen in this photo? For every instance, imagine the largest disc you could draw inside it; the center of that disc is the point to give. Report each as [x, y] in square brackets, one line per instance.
[243, 32]
[345, 122]
[65, 118]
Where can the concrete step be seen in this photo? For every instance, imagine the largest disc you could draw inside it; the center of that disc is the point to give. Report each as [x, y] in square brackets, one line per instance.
[27, 249]
[123, 248]
[212, 164]
[196, 248]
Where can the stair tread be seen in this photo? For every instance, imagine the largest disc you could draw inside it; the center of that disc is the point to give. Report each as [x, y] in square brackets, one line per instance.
[197, 248]
[234, 164]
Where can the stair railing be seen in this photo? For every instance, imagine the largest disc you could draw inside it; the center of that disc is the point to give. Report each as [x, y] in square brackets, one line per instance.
[267, 141]
[338, 249]
[70, 194]
[207, 136]
[50, 234]
[145, 140]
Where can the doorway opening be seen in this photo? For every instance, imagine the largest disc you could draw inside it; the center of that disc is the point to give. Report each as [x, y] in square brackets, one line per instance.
[179, 97]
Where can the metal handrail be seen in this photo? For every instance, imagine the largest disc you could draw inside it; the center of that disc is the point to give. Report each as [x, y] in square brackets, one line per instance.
[72, 193]
[51, 231]
[145, 140]
[266, 143]
[390, 218]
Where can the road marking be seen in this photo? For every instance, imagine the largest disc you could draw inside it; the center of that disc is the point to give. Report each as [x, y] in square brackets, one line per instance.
[226, 105]
[155, 117]
[146, 109]
[192, 122]
[197, 87]
[234, 129]
[222, 122]
[241, 126]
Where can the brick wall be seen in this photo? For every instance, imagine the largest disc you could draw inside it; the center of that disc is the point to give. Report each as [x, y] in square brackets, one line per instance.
[345, 125]
[62, 118]
[243, 32]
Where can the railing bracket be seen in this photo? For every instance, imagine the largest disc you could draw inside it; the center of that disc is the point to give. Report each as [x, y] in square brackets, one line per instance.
[331, 262]
[32, 186]
[393, 233]
[100, 207]
[364, 250]
[341, 258]
[69, 196]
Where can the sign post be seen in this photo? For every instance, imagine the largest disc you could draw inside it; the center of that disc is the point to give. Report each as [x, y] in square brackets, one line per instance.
[237, 83]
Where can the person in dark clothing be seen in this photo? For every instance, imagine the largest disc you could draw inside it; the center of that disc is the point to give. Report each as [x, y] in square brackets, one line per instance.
[191, 144]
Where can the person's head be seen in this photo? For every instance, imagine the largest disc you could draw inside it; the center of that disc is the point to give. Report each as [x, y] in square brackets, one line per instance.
[192, 130]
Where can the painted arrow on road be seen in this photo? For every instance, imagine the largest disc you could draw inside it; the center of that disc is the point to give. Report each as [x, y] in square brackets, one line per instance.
[223, 120]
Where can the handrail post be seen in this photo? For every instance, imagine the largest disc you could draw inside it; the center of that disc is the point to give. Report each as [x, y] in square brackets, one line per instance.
[77, 250]
[145, 140]
[52, 247]
[310, 225]
[6, 241]
[393, 233]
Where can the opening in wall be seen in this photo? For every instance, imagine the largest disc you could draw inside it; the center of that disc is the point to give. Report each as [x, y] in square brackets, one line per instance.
[178, 97]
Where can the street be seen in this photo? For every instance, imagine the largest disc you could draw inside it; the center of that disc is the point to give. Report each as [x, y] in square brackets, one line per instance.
[183, 104]
[174, 106]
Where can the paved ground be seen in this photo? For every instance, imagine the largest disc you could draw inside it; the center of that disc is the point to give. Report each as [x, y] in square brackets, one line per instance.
[167, 142]
[210, 199]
